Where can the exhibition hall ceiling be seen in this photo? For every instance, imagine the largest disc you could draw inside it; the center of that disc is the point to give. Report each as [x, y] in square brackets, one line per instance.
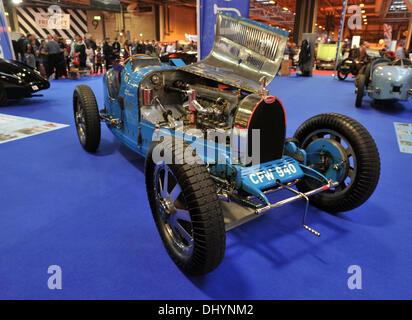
[375, 13]
[282, 13]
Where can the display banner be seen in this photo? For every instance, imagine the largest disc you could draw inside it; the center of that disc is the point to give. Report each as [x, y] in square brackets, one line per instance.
[206, 19]
[387, 34]
[53, 20]
[15, 128]
[404, 136]
[342, 26]
[6, 48]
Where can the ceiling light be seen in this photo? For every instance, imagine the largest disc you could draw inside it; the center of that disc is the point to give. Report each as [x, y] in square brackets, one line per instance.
[285, 9]
[17, 1]
[363, 11]
[362, 5]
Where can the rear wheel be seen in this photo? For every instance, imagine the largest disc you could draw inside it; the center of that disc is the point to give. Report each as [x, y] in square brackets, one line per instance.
[87, 118]
[360, 89]
[343, 150]
[186, 210]
[342, 73]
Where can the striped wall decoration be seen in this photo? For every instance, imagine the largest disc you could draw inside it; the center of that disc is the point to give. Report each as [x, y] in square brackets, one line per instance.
[27, 22]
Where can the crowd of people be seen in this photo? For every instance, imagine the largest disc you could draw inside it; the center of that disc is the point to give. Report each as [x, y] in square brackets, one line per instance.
[56, 56]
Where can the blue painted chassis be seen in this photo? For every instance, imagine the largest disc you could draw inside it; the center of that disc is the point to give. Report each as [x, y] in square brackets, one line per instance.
[252, 180]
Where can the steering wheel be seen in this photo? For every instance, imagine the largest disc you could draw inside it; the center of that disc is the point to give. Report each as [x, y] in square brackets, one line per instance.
[134, 56]
[402, 62]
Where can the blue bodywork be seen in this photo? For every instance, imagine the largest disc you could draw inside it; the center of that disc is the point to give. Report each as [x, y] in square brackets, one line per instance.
[253, 179]
[389, 81]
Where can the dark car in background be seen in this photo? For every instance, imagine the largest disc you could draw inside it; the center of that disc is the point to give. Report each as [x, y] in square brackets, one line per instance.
[18, 80]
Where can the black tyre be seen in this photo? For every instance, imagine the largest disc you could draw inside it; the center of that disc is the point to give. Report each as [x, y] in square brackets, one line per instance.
[3, 95]
[342, 75]
[360, 170]
[367, 73]
[360, 89]
[87, 118]
[187, 212]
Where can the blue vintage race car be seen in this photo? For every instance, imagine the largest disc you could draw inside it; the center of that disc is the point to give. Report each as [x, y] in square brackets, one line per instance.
[215, 146]
[383, 79]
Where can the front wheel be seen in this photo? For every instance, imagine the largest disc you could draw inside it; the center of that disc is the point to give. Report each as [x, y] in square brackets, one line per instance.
[186, 209]
[86, 117]
[341, 149]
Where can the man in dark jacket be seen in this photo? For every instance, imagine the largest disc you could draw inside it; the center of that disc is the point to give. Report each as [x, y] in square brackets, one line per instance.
[108, 54]
[116, 49]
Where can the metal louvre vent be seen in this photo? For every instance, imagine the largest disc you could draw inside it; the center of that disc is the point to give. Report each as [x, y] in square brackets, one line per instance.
[263, 42]
[244, 52]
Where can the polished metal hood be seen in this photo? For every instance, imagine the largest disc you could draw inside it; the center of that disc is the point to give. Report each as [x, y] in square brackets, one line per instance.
[246, 54]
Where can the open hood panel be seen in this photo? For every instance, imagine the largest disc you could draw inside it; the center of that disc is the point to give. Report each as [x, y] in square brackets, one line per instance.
[245, 54]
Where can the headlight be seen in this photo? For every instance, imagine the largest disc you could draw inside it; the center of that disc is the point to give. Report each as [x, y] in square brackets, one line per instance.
[155, 79]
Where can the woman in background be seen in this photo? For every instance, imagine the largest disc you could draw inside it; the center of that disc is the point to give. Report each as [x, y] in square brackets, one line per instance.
[29, 57]
[42, 59]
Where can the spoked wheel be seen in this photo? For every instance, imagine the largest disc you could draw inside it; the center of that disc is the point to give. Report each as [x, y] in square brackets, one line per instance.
[186, 210]
[175, 218]
[360, 89]
[87, 118]
[342, 71]
[341, 75]
[341, 149]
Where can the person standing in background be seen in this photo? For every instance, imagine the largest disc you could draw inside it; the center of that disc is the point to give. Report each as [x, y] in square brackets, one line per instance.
[140, 47]
[90, 58]
[108, 54]
[400, 52]
[61, 61]
[80, 49]
[29, 57]
[42, 59]
[116, 49]
[52, 50]
[133, 48]
[99, 61]
[126, 50]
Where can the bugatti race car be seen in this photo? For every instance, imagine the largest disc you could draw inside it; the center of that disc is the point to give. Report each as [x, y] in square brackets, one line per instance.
[214, 142]
[18, 80]
[384, 80]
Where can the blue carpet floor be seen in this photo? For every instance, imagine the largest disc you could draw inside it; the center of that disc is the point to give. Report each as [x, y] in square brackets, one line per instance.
[89, 214]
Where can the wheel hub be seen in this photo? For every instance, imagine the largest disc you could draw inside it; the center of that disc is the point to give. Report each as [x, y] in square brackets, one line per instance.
[329, 157]
[167, 206]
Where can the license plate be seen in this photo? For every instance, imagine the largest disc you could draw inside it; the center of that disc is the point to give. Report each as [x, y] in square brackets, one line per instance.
[269, 175]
